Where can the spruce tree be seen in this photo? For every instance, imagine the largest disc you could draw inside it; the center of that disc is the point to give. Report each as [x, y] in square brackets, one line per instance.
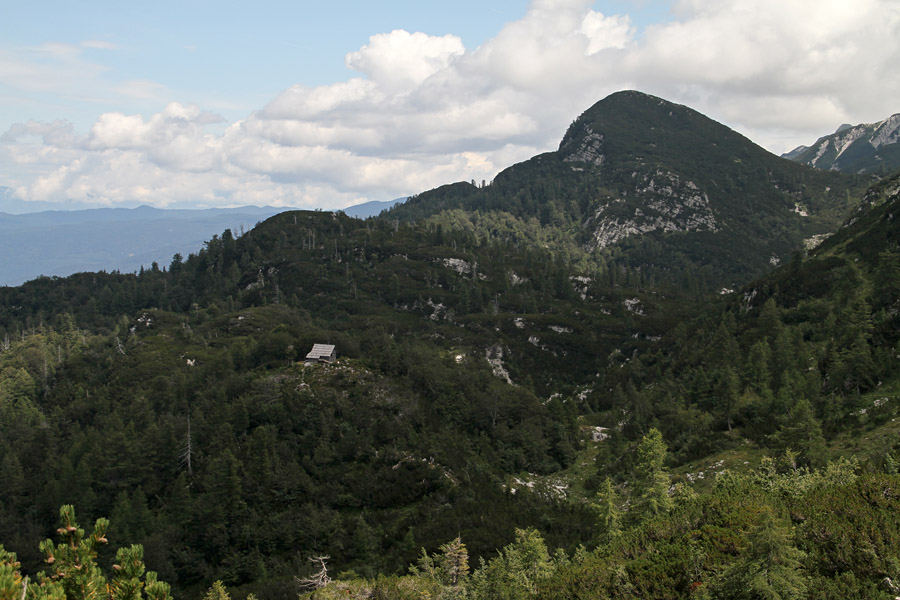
[652, 485]
[454, 562]
[802, 432]
[606, 506]
[770, 569]
[728, 393]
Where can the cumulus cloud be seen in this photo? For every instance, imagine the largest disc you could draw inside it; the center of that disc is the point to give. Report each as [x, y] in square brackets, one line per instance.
[606, 32]
[818, 63]
[402, 60]
[424, 110]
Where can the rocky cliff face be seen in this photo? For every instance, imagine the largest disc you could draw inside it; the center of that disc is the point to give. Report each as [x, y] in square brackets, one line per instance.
[866, 148]
[655, 200]
[589, 150]
[661, 201]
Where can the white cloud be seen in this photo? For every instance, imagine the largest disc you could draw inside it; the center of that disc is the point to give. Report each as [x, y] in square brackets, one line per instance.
[424, 110]
[402, 60]
[606, 32]
[769, 66]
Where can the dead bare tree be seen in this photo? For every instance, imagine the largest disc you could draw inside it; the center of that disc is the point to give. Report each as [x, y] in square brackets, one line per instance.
[187, 450]
[318, 579]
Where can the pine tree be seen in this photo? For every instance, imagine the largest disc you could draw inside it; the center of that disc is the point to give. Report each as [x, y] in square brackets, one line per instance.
[217, 591]
[771, 567]
[75, 574]
[801, 431]
[11, 582]
[759, 375]
[514, 574]
[769, 323]
[609, 516]
[724, 348]
[653, 480]
[728, 393]
[75, 570]
[454, 561]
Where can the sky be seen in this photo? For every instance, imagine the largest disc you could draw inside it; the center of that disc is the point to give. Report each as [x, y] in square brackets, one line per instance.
[195, 104]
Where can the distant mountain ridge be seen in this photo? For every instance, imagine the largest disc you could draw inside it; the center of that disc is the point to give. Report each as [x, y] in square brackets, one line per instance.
[59, 216]
[865, 148]
[60, 242]
[668, 187]
[371, 209]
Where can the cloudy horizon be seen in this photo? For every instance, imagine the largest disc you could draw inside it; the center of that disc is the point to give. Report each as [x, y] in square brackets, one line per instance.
[412, 110]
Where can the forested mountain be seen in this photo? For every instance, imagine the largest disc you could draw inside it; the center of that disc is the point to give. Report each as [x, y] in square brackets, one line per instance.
[865, 148]
[779, 406]
[586, 425]
[652, 184]
[172, 400]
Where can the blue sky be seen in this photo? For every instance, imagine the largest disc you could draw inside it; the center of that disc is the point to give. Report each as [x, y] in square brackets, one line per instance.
[232, 56]
[229, 56]
[328, 104]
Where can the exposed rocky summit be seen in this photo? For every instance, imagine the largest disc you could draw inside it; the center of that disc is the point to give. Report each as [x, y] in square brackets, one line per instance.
[589, 149]
[667, 205]
[866, 148]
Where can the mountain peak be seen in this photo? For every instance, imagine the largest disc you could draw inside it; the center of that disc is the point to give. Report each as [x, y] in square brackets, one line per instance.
[648, 129]
[660, 180]
[863, 148]
[627, 104]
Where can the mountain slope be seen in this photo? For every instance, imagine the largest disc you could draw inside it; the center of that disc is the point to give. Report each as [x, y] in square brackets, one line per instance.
[865, 148]
[173, 401]
[474, 362]
[779, 407]
[656, 184]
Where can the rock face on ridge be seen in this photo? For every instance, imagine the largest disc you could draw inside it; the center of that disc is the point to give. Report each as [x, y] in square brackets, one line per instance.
[865, 148]
[658, 184]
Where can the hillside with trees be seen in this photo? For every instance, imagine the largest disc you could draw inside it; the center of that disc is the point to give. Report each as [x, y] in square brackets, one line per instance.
[510, 416]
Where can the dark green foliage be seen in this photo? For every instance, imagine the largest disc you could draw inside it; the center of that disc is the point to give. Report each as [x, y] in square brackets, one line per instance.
[801, 432]
[770, 567]
[194, 426]
[652, 486]
[75, 573]
[174, 401]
